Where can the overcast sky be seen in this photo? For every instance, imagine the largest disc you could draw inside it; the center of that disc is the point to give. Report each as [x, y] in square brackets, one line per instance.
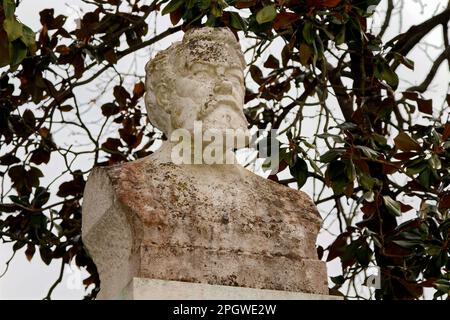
[31, 280]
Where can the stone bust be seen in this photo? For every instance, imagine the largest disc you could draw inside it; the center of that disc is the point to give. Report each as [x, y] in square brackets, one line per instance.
[198, 81]
[200, 78]
[212, 224]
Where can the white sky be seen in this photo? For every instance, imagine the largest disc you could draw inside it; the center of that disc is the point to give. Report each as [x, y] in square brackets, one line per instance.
[31, 280]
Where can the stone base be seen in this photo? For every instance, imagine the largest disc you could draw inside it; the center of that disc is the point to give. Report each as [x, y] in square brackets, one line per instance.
[153, 289]
[215, 224]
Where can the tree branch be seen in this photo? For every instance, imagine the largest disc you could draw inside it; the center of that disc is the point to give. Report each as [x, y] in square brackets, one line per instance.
[406, 41]
[429, 78]
[387, 19]
[344, 99]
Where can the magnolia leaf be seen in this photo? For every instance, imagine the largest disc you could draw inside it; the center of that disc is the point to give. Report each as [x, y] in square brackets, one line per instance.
[237, 22]
[28, 37]
[18, 52]
[405, 143]
[172, 6]
[299, 171]
[13, 28]
[266, 14]
[393, 206]
[9, 7]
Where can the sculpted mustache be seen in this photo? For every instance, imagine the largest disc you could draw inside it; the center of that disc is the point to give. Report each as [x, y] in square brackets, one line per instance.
[210, 105]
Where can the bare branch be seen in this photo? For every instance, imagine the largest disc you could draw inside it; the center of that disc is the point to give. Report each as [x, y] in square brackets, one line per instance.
[431, 75]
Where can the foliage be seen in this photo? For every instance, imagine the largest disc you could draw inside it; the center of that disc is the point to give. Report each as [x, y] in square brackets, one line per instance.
[326, 45]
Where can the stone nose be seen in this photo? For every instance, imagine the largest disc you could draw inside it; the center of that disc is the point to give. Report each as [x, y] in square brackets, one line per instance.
[223, 87]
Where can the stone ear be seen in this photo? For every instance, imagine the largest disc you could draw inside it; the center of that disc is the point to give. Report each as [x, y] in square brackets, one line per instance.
[162, 95]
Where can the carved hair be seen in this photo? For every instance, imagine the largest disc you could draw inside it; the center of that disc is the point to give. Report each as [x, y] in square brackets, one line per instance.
[202, 44]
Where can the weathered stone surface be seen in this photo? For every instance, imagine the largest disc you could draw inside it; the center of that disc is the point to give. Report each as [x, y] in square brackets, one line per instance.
[200, 78]
[152, 289]
[216, 224]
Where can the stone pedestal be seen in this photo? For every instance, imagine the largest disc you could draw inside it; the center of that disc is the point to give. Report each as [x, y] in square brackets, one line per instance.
[153, 289]
[210, 224]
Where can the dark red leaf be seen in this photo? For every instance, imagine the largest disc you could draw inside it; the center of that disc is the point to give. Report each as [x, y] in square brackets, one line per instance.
[411, 95]
[29, 119]
[390, 168]
[256, 74]
[272, 62]
[425, 106]
[285, 19]
[40, 155]
[446, 133]
[245, 4]
[65, 108]
[404, 142]
[29, 252]
[46, 254]
[110, 56]
[121, 95]
[175, 16]
[139, 90]
[112, 144]
[405, 155]
[444, 202]
[110, 109]
[72, 188]
[8, 159]
[405, 207]
[320, 252]
[338, 246]
[78, 64]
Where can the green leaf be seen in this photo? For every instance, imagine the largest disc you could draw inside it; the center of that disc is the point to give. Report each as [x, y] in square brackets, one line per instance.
[403, 60]
[340, 37]
[368, 152]
[13, 28]
[363, 256]
[381, 140]
[18, 245]
[330, 155]
[335, 137]
[237, 22]
[18, 52]
[366, 181]
[46, 254]
[442, 285]
[9, 7]
[308, 32]
[4, 49]
[299, 171]
[216, 11]
[190, 3]
[204, 4]
[435, 162]
[432, 249]
[339, 280]
[28, 37]
[172, 6]
[393, 206]
[384, 72]
[406, 244]
[425, 177]
[211, 21]
[350, 171]
[336, 176]
[266, 14]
